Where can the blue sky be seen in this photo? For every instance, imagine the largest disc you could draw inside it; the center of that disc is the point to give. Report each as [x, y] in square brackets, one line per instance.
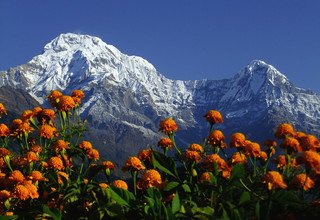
[182, 39]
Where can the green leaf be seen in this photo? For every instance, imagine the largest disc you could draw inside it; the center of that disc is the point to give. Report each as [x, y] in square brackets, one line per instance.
[176, 204]
[257, 210]
[171, 185]
[237, 172]
[286, 197]
[9, 217]
[54, 213]
[165, 164]
[186, 188]
[121, 196]
[245, 197]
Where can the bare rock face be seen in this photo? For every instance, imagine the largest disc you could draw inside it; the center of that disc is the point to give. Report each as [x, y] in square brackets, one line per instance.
[126, 97]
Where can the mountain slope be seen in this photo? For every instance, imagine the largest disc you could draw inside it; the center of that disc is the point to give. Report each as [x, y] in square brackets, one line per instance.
[127, 97]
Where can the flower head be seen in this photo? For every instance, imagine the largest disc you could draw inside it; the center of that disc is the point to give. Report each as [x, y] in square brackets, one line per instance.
[93, 154]
[36, 110]
[21, 192]
[216, 137]
[4, 152]
[238, 158]
[151, 178]
[3, 110]
[165, 143]
[31, 157]
[274, 180]
[196, 147]
[4, 195]
[54, 98]
[103, 185]
[107, 165]
[291, 143]
[193, 156]
[46, 115]
[145, 155]
[205, 178]
[36, 149]
[284, 130]
[4, 130]
[238, 140]
[66, 103]
[33, 191]
[281, 161]
[47, 131]
[56, 163]
[133, 164]
[212, 159]
[311, 160]
[120, 184]
[213, 117]
[36, 176]
[252, 149]
[26, 115]
[62, 177]
[310, 142]
[16, 176]
[302, 181]
[60, 145]
[85, 145]
[168, 126]
[78, 93]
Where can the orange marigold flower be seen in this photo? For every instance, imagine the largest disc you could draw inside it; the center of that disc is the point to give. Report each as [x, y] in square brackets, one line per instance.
[133, 164]
[281, 161]
[4, 152]
[31, 157]
[270, 143]
[263, 156]
[298, 135]
[211, 159]
[76, 100]
[36, 110]
[302, 181]
[205, 178]
[120, 184]
[103, 185]
[60, 145]
[36, 148]
[62, 176]
[311, 160]
[33, 191]
[93, 154]
[238, 158]
[238, 140]
[56, 163]
[26, 115]
[213, 117]
[21, 192]
[284, 130]
[168, 126]
[48, 131]
[16, 176]
[145, 155]
[19, 127]
[151, 178]
[310, 142]
[274, 180]
[291, 143]
[193, 156]
[36, 176]
[78, 93]
[107, 165]
[4, 195]
[54, 97]
[216, 137]
[16, 123]
[46, 115]
[165, 143]
[85, 145]
[4, 130]
[252, 149]
[226, 173]
[196, 147]
[66, 103]
[3, 110]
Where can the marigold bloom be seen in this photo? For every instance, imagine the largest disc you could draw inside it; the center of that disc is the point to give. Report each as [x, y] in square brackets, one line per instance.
[211, 159]
[168, 126]
[299, 134]
[120, 184]
[16, 176]
[33, 191]
[4, 152]
[76, 100]
[226, 173]
[263, 156]
[310, 142]
[311, 160]
[31, 157]
[270, 143]
[238, 158]
[36, 110]
[66, 103]
[284, 130]
[193, 156]
[213, 117]
[56, 163]
[291, 143]
[19, 127]
[302, 181]
[4, 195]
[145, 155]
[196, 147]
[62, 176]
[165, 143]
[103, 185]
[93, 154]
[21, 192]
[36, 149]
[274, 180]
[4, 130]
[46, 115]
[78, 93]
[60, 145]
[216, 137]
[36, 176]
[133, 164]
[54, 97]
[48, 131]
[151, 178]
[252, 149]
[237, 140]
[26, 115]
[205, 177]
[85, 145]
[107, 165]
[3, 110]
[281, 161]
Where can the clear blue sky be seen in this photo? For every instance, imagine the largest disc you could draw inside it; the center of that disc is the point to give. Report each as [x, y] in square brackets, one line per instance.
[182, 39]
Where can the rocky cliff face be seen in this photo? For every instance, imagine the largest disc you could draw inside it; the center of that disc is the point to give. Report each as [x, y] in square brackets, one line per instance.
[126, 97]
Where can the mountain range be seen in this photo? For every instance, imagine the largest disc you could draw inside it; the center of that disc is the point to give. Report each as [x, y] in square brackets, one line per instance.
[126, 97]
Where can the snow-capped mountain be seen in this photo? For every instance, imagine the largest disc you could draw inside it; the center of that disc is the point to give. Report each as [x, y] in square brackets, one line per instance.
[126, 97]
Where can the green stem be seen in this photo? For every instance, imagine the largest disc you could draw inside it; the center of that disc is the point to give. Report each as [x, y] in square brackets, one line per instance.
[134, 175]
